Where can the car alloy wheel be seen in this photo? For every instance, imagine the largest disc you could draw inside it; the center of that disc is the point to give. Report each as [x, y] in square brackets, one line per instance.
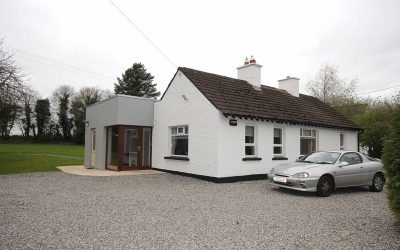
[325, 186]
[377, 183]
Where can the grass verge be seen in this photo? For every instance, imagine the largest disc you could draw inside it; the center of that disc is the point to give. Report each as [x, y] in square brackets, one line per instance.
[28, 158]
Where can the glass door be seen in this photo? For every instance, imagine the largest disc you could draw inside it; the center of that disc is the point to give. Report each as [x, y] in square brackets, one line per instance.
[131, 148]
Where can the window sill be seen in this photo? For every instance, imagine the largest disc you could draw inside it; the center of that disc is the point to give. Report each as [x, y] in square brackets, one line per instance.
[179, 158]
[251, 159]
[280, 158]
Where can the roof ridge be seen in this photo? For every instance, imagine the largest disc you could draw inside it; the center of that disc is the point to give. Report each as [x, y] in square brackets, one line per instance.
[235, 79]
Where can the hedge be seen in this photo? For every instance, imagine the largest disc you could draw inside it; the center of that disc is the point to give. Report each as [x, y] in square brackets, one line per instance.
[391, 160]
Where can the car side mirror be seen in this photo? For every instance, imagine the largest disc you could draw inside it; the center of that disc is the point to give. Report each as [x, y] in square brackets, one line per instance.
[300, 158]
[343, 164]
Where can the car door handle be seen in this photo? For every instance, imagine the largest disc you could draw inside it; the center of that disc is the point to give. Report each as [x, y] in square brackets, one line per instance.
[361, 167]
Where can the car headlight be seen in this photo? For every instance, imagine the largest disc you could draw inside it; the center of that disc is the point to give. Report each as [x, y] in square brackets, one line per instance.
[272, 170]
[300, 175]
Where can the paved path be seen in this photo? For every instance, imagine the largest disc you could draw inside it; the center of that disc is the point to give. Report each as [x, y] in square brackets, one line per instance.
[57, 210]
[81, 170]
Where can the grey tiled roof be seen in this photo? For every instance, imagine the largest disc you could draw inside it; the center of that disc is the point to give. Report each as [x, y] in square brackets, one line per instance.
[238, 98]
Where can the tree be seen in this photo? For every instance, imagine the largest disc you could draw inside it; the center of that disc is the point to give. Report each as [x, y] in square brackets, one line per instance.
[137, 82]
[62, 96]
[12, 87]
[329, 88]
[42, 114]
[27, 112]
[375, 123]
[85, 97]
[391, 160]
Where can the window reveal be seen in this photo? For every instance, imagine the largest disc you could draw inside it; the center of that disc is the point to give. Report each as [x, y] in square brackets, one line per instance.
[278, 142]
[180, 140]
[250, 146]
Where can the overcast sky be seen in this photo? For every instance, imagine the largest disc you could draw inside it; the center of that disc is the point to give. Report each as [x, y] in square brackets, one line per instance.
[89, 43]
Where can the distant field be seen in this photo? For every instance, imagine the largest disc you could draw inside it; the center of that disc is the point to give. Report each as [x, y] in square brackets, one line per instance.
[27, 158]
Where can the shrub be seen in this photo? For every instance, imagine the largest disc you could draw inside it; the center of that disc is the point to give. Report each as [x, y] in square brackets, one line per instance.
[391, 159]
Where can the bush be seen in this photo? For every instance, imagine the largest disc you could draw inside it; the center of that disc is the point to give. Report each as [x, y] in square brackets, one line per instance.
[391, 159]
[375, 123]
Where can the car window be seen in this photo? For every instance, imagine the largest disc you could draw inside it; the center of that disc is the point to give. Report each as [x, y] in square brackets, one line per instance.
[351, 158]
[321, 157]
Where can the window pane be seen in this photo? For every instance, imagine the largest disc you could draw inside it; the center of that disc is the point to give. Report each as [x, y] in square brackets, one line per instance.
[352, 158]
[278, 150]
[113, 147]
[341, 140]
[179, 145]
[250, 150]
[277, 136]
[249, 131]
[180, 130]
[249, 138]
[173, 131]
[314, 133]
[186, 130]
[146, 147]
[307, 145]
[306, 132]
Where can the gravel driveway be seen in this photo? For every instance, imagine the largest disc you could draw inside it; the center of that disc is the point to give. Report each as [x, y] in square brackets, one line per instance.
[60, 210]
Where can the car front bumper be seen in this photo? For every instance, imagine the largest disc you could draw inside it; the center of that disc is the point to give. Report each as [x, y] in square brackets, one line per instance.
[306, 184]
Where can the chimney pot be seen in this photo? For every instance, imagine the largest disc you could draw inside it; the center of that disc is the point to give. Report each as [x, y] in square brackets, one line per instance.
[252, 60]
[246, 61]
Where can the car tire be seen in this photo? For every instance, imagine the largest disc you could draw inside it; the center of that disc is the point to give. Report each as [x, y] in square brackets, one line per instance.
[325, 186]
[377, 183]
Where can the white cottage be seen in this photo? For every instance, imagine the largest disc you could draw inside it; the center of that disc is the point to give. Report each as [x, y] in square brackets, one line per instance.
[215, 126]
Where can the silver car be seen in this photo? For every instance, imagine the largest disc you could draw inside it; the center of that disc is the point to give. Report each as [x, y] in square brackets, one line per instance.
[323, 172]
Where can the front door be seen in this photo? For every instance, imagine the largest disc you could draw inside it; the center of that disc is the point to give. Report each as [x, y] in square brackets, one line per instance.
[132, 148]
[93, 148]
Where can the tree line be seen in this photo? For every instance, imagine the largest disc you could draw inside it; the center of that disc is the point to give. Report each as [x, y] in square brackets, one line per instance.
[60, 117]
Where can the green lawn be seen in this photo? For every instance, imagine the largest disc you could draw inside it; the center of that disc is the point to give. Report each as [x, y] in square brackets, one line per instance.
[27, 158]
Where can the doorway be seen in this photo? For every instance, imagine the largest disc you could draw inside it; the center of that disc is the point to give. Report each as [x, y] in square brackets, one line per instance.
[93, 148]
[128, 148]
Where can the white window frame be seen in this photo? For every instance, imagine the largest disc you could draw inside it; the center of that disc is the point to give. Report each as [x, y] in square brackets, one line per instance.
[314, 135]
[342, 146]
[308, 136]
[254, 144]
[184, 132]
[278, 145]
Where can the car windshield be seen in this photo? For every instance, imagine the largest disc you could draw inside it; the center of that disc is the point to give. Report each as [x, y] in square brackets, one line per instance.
[321, 157]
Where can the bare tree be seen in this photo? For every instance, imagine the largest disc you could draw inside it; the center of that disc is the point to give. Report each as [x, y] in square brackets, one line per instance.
[12, 88]
[330, 88]
[25, 116]
[63, 96]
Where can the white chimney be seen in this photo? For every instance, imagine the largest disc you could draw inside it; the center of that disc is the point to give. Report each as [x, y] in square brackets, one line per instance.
[250, 72]
[291, 85]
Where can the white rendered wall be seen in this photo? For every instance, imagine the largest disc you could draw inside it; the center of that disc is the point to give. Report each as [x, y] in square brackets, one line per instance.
[329, 139]
[118, 110]
[201, 117]
[250, 73]
[231, 145]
